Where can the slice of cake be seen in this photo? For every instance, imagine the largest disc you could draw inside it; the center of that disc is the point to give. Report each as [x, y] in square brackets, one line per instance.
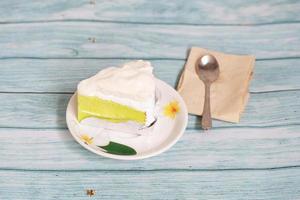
[119, 94]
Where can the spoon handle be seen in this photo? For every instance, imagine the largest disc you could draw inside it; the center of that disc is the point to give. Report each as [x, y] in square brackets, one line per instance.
[206, 115]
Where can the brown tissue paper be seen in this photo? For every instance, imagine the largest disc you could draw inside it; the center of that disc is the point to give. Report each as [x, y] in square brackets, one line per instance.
[229, 94]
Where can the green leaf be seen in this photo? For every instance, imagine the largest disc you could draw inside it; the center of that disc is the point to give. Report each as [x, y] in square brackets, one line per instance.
[118, 149]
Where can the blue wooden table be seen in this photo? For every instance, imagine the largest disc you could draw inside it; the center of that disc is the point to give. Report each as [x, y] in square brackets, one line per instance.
[47, 47]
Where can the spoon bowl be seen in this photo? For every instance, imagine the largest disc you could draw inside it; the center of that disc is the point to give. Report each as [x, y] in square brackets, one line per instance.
[207, 68]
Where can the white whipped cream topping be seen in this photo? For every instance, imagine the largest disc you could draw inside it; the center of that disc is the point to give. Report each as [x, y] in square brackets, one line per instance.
[133, 85]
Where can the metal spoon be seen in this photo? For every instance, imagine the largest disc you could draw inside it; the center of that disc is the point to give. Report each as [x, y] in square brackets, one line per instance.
[207, 68]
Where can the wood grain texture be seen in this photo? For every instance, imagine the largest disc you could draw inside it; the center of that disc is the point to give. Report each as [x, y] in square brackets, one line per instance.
[232, 148]
[63, 75]
[261, 184]
[48, 110]
[156, 11]
[47, 47]
[109, 40]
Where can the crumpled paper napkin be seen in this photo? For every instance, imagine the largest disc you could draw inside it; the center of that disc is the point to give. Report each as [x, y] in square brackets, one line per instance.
[229, 94]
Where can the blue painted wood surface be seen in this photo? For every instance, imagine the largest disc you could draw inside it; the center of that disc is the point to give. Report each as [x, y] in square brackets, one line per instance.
[47, 47]
[135, 184]
[131, 41]
[157, 11]
[234, 149]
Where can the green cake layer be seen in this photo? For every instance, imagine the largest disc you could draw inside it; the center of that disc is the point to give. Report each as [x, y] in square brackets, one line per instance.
[108, 110]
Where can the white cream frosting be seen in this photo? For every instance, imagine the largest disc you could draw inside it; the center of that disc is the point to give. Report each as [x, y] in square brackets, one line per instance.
[133, 85]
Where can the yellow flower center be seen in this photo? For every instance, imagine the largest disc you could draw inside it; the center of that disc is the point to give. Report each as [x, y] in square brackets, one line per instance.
[171, 109]
[86, 139]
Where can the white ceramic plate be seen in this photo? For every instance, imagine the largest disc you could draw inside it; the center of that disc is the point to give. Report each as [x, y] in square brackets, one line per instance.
[172, 117]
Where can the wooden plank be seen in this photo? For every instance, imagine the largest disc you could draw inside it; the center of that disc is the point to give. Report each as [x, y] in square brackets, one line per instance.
[110, 40]
[218, 149]
[33, 110]
[275, 184]
[272, 75]
[48, 110]
[156, 11]
[63, 75]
